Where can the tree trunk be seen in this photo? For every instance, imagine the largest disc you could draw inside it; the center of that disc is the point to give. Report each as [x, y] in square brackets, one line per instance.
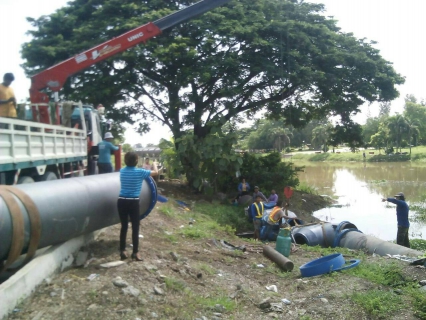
[409, 140]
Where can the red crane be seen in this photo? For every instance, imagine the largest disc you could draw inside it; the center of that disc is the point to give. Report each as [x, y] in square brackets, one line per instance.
[55, 76]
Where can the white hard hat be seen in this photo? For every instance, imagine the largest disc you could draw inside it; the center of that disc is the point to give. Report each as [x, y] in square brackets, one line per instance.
[108, 135]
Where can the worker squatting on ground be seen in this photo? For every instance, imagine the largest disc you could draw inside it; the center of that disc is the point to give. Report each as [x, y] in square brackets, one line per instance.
[7, 97]
[274, 218]
[402, 210]
[105, 149]
[131, 179]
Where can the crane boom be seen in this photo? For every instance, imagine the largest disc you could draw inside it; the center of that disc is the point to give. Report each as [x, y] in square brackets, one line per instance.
[55, 76]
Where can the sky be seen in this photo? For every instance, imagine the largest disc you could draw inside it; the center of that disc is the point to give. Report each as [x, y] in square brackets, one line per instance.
[397, 26]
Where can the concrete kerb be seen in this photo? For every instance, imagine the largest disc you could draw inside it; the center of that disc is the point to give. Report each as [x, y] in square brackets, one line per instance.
[23, 283]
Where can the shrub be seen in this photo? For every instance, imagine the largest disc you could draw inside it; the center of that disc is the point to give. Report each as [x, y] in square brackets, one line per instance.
[267, 172]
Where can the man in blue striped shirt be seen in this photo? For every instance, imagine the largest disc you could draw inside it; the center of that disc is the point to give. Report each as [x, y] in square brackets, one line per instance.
[131, 179]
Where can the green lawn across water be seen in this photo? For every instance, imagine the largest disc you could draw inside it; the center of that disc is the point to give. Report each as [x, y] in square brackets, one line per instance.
[418, 154]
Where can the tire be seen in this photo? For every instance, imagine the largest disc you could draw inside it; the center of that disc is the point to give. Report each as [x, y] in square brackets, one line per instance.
[25, 179]
[48, 176]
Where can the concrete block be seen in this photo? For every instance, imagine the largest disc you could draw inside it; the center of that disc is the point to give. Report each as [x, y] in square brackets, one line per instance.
[23, 283]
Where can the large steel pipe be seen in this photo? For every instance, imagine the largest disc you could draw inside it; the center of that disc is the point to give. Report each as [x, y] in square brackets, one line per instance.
[34, 216]
[356, 240]
[323, 233]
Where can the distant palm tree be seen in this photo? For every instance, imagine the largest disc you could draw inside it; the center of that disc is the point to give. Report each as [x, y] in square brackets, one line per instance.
[413, 129]
[281, 136]
[397, 125]
[320, 136]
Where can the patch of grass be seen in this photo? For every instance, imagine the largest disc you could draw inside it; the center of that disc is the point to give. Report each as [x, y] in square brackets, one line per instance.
[303, 187]
[274, 269]
[175, 285]
[418, 155]
[171, 237]
[228, 216]
[194, 232]
[385, 272]
[207, 269]
[204, 227]
[378, 303]
[237, 253]
[376, 181]
[140, 311]
[420, 210]
[167, 209]
[418, 244]
[327, 251]
[228, 260]
[92, 294]
[388, 273]
[214, 226]
[418, 301]
[210, 302]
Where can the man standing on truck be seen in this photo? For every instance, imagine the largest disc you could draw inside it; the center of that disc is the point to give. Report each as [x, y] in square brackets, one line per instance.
[105, 148]
[7, 97]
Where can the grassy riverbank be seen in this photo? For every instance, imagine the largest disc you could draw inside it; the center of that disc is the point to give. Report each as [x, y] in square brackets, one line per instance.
[187, 273]
[418, 154]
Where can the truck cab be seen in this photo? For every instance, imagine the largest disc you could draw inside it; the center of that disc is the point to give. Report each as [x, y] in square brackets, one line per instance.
[95, 123]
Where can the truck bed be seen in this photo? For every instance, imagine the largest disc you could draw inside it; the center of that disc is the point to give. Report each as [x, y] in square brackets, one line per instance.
[25, 144]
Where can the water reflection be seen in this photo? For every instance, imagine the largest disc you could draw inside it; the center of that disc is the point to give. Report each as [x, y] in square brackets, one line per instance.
[360, 188]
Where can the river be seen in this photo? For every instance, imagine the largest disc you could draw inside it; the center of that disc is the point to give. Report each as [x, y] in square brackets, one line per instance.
[359, 188]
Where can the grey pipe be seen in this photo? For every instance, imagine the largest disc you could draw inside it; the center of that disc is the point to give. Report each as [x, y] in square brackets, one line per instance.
[322, 234]
[283, 262]
[356, 240]
[345, 235]
[68, 208]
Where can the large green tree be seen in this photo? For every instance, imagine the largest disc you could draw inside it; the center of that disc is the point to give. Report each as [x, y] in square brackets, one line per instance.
[281, 56]
[398, 129]
[416, 113]
[269, 134]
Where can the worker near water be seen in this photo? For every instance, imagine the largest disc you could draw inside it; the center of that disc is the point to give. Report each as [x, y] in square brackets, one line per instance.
[7, 97]
[274, 218]
[256, 213]
[402, 211]
[105, 150]
[131, 179]
[258, 193]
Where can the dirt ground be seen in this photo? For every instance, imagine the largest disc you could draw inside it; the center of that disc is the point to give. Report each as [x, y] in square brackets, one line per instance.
[187, 278]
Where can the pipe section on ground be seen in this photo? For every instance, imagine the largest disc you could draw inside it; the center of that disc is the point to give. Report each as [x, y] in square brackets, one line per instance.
[322, 234]
[281, 261]
[356, 240]
[38, 215]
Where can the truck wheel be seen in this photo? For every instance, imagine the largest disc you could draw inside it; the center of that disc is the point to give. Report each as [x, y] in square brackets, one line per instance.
[48, 175]
[25, 179]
